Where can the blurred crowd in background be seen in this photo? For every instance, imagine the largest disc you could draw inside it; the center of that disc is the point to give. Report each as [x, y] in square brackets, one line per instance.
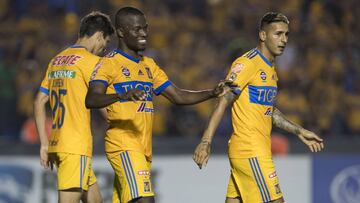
[195, 43]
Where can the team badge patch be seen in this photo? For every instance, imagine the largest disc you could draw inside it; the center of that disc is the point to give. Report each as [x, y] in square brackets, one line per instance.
[148, 72]
[237, 68]
[232, 76]
[263, 75]
[125, 71]
[147, 187]
[277, 189]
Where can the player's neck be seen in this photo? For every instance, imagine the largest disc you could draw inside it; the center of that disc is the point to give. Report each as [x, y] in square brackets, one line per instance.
[265, 52]
[84, 43]
[122, 47]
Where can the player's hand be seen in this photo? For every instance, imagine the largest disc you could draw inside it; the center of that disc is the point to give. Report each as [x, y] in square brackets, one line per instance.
[44, 158]
[202, 154]
[133, 95]
[313, 141]
[224, 87]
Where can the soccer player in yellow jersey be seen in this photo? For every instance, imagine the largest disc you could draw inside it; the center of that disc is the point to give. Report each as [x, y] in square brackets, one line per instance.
[65, 85]
[253, 177]
[128, 141]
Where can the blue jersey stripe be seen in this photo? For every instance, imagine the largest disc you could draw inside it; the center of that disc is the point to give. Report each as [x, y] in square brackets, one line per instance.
[122, 157]
[132, 171]
[264, 58]
[161, 88]
[257, 181]
[127, 56]
[81, 171]
[100, 81]
[236, 91]
[44, 90]
[262, 178]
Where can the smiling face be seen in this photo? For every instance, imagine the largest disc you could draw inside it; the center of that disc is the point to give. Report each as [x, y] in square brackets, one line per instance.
[275, 37]
[134, 32]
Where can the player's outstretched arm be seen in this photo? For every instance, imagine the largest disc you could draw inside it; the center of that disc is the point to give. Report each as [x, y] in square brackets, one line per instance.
[313, 141]
[187, 97]
[40, 118]
[202, 151]
[96, 96]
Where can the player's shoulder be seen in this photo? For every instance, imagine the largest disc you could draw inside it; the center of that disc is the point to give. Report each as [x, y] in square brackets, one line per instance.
[150, 62]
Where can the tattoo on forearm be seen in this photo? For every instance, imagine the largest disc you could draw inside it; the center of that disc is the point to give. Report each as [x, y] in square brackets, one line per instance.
[281, 122]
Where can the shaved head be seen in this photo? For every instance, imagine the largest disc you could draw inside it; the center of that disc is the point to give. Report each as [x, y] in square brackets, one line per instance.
[124, 14]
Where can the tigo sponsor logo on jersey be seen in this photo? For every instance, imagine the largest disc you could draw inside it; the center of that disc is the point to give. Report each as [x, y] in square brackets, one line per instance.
[264, 95]
[124, 87]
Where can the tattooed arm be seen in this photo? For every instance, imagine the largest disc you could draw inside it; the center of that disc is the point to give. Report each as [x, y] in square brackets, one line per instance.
[313, 141]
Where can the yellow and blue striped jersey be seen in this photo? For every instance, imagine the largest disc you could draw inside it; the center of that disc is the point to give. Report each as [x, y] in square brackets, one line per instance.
[253, 107]
[130, 123]
[66, 82]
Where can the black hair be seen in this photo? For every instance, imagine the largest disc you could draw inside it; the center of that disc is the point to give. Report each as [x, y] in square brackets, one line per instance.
[122, 13]
[94, 22]
[272, 17]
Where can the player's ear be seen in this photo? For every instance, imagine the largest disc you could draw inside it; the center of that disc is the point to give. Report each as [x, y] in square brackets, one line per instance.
[120, 32]
[262, 35]
[99, 35]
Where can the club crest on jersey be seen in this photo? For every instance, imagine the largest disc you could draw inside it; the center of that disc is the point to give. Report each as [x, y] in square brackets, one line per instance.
[147, 187]
[232, 76]
[140, 72]
[125, 71]
[277, 189]
[263, 75]
[237, 68]
[149, 72]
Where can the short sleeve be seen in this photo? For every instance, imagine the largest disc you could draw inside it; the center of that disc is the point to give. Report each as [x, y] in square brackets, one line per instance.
[241, 72]
[103, 72]
[160, 79]
[44, 87]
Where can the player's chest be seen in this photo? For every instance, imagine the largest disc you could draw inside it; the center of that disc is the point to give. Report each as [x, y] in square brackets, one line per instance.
[134, 72]
[265, 77]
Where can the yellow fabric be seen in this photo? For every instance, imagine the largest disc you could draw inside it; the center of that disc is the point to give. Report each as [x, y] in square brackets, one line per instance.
[254, 180]
[66, 82]
[253, 107]
[130, 123]
[73, 171]
[132, 176]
